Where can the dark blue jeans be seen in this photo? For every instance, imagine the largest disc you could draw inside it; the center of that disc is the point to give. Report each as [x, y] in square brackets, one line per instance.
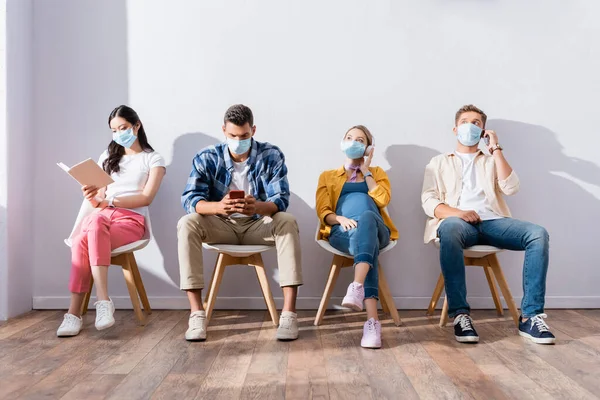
[455, 235]
[364, 242]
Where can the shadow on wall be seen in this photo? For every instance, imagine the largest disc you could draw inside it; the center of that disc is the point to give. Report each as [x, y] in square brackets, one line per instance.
[411, 261]
[550, 196]
[166, 208]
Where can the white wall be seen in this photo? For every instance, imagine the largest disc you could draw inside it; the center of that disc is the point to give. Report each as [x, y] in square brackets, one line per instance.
[309, 70]
[3, 167]
[18, 191]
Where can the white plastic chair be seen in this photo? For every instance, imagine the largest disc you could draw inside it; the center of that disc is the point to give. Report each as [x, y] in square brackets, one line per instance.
[485, 257]
[124, 257]
[232, 254]
[342, 260]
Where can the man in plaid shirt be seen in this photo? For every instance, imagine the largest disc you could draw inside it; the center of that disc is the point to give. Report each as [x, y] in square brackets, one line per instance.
[257, 218]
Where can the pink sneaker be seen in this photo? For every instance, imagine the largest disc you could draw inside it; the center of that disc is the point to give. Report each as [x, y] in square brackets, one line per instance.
[355, 296]
[371, 335]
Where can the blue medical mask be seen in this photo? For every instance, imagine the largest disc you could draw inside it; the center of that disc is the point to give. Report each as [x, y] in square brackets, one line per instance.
[239, 146]
[353, 149]
[124, 138]
[468, 134]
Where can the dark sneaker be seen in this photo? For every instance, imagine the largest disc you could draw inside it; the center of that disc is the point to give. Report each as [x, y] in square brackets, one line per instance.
[463, 329]
[536, 329]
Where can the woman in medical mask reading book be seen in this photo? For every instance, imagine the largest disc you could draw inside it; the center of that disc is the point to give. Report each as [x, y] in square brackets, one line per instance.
[119, 217]
[351, 203]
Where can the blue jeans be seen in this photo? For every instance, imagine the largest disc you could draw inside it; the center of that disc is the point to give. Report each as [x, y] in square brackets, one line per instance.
[364, 242]
[455, 235]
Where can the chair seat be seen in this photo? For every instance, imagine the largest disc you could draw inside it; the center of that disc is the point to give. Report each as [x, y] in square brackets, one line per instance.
[478, 251]
[128, 248]
[236, 250]
[325, 244]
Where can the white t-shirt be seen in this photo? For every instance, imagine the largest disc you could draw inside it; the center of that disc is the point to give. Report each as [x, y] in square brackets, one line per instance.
[132, 176]
[472, 196]
[239, 181]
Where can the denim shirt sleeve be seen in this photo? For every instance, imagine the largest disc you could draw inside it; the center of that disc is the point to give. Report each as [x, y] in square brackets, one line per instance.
[278, 188]
[197, 186]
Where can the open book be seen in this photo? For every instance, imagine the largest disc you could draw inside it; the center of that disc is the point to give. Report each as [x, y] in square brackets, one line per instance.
[88, 173]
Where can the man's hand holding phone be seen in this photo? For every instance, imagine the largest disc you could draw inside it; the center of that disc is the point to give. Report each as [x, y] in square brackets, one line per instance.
[232, 203]
[490, 138]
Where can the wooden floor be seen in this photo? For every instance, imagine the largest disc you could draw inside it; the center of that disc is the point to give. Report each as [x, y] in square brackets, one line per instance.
[241, 359]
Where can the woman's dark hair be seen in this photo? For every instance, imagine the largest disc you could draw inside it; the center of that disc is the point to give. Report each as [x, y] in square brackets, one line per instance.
[116, 151]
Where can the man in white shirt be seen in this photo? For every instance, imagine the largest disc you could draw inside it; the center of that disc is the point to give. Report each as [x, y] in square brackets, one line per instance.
[463, 198]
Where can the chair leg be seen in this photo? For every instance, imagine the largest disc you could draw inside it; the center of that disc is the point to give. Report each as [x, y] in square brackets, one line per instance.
[437, 293]
[493, 289]
[386, 294]
[384, 306]
[495, 266]
[444, 316]
[139, 284]
[133, 294]
[263, 281]
[86, 299]
[211, 297]
[212, 279]
[336, 266]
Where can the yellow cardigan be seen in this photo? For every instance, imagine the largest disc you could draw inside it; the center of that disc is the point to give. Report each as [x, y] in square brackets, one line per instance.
[330, 187]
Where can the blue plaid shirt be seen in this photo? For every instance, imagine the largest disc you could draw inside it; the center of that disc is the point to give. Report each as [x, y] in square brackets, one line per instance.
[211, 176]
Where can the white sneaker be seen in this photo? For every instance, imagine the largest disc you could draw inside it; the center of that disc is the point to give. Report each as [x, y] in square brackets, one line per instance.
[355, 296]
[104, 314]
[196, 326]
[288, 326]
[371, 338]
[70, 326]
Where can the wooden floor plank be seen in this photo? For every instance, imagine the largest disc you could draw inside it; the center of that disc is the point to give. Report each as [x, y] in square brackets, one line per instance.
[504, 340]
[199, 356]
[94, 387]
[266, 375]
[346, 375]
[242, 360]
[507, 377]
[13, 386]
[306, 372]
[406, 344]
[67, 367]
[22, 322]
[227, 374]
[386, 377]
[148, 374]
[178, 386]
[126, 358]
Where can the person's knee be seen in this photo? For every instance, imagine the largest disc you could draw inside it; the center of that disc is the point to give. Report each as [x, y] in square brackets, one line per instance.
[539, 234]
[285, 222]
[452, 230]
[189, 224]
[368, 220]
[97, 222]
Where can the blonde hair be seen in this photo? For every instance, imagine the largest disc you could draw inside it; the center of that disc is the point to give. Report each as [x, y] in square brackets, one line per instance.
[470, 108]
[365, 130]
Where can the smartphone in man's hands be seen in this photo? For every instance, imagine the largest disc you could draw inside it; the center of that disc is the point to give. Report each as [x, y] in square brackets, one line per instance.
[237, 194]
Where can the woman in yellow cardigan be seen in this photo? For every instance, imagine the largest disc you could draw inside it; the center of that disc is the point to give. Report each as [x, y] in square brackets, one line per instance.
[351, 203]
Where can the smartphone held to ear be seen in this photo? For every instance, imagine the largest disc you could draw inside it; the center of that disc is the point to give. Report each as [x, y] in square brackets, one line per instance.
[486, 138]
[237, 194]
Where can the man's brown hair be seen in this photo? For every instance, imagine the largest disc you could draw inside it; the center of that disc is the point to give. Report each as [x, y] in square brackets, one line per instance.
[468, 108]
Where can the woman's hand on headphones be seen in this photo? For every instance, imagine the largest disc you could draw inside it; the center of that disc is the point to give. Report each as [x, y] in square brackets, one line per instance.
[366, 163]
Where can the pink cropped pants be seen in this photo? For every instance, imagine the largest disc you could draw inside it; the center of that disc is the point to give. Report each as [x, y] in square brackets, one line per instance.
[101, 232]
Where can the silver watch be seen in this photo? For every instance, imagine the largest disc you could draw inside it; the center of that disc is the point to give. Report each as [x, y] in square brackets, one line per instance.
[110, 202]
